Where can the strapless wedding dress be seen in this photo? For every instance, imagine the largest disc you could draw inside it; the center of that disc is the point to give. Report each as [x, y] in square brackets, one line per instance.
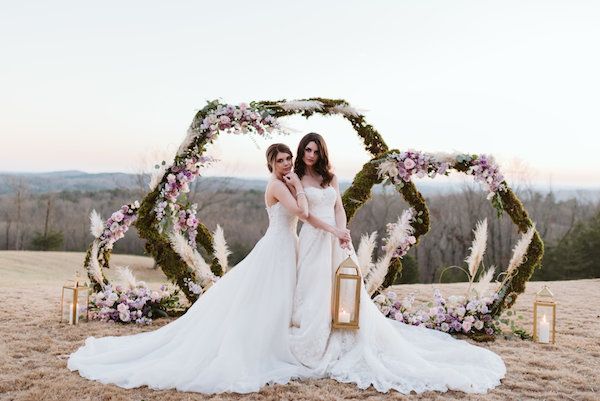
[384, 353]
[234, 338]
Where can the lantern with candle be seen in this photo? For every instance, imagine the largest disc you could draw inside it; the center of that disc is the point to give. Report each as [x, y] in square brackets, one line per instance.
[346, 295]
[544, 316]
[74, 301]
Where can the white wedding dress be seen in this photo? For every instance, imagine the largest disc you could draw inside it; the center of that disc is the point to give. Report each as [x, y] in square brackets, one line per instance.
[234, 338]
[382, 352]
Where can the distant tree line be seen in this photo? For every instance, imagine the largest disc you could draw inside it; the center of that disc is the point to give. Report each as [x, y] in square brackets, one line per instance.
[570, 228]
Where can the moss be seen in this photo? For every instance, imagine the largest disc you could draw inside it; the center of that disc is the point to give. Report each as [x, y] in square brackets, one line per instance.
[360, 192]
[516, 285]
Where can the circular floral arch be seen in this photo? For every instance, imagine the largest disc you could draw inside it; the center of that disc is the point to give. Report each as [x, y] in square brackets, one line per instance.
[168, 222]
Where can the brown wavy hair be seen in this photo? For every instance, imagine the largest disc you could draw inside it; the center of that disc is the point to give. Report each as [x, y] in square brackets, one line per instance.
[272, 152]
[322, 166]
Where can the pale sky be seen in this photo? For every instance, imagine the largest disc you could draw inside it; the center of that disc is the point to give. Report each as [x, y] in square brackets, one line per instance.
[109, 86]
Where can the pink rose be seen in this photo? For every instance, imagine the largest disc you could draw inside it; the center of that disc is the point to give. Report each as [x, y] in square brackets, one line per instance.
[466, 326]
[409, 163]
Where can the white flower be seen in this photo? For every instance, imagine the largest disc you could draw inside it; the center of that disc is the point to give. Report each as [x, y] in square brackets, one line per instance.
[98, 297]
[388, 168]
[380, 299]
[456, 299]
[478, 325]
[124, 316]
[391, 295]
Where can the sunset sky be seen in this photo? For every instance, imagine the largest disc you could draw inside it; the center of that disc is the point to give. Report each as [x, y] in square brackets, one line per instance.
[112, 86]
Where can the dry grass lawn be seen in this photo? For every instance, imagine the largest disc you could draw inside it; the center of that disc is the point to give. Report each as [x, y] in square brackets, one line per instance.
[34, 346]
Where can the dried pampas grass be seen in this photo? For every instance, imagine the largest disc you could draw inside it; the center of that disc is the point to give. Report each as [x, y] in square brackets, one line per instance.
[308, 105]
[346, 110]
[364, 254]
[221, 249]
[401, 231]
[156, 176]
[94, 266]
[128, 277]
[96, 224]
[477, 248]
[192, 258]
[483, 285]
[519, 253]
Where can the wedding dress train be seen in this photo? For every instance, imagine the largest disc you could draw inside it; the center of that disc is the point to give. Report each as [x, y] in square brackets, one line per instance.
[235, 337]
[382, 352]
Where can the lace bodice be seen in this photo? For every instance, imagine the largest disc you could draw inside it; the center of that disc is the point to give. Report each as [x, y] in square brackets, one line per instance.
[321, 202]
[281, 220]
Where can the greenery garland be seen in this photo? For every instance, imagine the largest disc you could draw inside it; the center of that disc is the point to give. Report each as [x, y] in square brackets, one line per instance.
[199, 136]
[502, 198]
[158, 244]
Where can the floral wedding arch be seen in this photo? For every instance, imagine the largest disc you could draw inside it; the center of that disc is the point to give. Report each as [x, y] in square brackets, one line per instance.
[168, 222]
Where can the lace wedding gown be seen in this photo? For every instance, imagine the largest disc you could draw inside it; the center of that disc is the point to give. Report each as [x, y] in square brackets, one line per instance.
[384, 353]
[234, 338]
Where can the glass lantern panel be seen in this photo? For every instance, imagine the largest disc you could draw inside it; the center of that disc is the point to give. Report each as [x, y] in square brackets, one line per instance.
[348, 270]
[544, 323]
[82, 303]
[67, 305]
[347, 294]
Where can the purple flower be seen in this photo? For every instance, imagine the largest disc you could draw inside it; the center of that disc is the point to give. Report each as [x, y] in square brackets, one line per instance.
[455, 325]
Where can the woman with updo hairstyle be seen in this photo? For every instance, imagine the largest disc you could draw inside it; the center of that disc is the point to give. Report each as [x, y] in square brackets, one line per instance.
[235, 337]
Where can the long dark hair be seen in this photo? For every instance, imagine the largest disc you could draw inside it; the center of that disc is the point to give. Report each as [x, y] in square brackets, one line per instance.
[322, 166]
[272, 152]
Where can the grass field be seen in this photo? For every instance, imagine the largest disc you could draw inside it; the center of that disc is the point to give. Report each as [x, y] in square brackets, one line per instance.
[34, 346]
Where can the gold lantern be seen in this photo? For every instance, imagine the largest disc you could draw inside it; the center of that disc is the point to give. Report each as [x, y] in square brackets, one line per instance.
[74, 301]
[544, 316]
[346, 295]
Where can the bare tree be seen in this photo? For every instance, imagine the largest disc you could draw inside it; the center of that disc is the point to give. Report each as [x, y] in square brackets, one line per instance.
[19, 188]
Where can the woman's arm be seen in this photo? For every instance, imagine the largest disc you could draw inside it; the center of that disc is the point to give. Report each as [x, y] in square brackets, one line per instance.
[316, 222]
[297, 206]
[340, 214]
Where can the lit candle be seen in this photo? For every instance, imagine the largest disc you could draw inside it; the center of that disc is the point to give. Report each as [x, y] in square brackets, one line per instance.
[73, 310]
[344, 316]
[544, 331]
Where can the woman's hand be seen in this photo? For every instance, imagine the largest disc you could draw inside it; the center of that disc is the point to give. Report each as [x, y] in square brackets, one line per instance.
[292, 179]
[343, 234]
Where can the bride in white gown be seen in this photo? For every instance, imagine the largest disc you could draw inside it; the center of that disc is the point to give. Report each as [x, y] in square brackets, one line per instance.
[235, 337]
[382, 352]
